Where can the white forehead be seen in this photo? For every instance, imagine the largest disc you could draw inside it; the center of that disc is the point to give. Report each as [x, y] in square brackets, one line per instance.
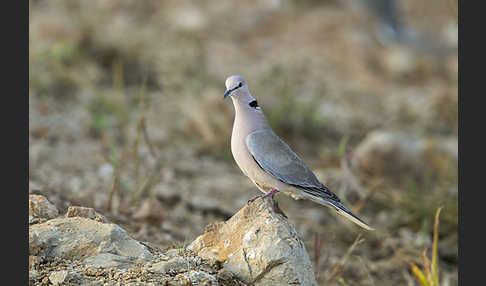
[234, 80]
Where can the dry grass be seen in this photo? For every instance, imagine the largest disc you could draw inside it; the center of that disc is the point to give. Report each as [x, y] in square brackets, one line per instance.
[429, 276]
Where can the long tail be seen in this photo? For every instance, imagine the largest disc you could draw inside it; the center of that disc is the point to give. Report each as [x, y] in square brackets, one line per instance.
[340, 209]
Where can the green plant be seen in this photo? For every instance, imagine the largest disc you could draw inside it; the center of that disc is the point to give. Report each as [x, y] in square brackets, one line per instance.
[181, 246]
[343, 143]
[429, 276]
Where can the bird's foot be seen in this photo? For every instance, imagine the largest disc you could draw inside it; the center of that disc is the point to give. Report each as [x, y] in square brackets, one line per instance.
[269, 194]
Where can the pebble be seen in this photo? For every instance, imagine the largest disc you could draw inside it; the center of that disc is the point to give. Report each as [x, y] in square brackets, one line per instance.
[58, 277]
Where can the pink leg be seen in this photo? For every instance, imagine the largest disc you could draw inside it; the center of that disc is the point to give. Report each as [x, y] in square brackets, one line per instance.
[269, 194]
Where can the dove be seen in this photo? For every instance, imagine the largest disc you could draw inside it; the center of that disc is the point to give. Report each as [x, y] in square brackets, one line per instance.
[268, 161]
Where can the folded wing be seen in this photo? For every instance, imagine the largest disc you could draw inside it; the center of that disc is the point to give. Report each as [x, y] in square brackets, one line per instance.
[274, 156]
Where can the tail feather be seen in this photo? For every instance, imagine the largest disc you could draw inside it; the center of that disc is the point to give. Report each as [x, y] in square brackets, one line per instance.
[342, 210]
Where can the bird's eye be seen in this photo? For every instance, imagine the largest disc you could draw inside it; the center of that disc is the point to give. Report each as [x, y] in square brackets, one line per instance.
[240, 85]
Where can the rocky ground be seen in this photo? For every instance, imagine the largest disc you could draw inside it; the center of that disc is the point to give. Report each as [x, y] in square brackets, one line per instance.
[257, 246]
[126, 119]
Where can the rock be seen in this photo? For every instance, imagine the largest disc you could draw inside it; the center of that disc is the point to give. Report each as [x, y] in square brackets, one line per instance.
[389, 153]
[79, 238]
[58, 277]
[76, 211]
[41, 208]
[174, 252]
[33, 274]
[398, 60]
[226, 277]
[150, 211]
[106, 171]
[198, 277]
[166, 192]
[189, 18]
[83, 251]
[174, 265]
[107, 260]
[33, 260]
[259, 246]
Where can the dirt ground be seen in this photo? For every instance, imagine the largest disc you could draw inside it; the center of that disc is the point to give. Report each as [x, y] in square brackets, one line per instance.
[126, 116]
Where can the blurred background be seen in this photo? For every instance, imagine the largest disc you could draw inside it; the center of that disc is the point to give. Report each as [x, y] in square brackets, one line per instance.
[126, 116]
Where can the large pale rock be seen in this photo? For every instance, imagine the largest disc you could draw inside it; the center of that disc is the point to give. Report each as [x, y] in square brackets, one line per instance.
[41, 208]
[79, 238]
[259, 246]
[384, 152]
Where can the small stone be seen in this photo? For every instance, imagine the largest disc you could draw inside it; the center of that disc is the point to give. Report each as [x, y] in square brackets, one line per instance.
[106, 171]
[177, 264]
[33, 260]
[77, 211]
[167, 193]
[33, 274]
[107, 260]
[225, 275]
[41, 208]
[173, 252]
[189, 18]
[198, 277]
[150, 211]
[58, 277]
[398, 60]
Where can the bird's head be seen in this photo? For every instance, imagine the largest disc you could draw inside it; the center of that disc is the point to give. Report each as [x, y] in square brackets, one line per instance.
[239, 92]
[235, 85]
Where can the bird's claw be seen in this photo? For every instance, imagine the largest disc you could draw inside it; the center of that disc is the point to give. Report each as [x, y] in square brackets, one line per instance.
[254, 198]
[269, 194]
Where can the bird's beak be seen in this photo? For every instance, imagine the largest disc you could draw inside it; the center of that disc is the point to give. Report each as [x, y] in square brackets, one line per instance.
[228, 92]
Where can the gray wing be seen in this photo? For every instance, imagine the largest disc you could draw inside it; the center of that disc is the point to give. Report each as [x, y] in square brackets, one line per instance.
[274, 156]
